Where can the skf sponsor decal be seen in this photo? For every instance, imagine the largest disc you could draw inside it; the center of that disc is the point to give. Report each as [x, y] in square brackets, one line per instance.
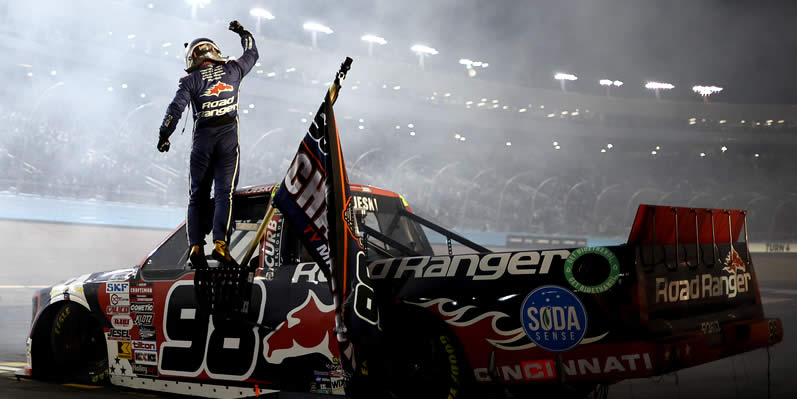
[146, 307]
[218, 88]
[123, 350]
[707, 285]
[144, 346]
[116, 334]
[111, 309]
[149, 358]
[490, 266]
[122, 322]
[554, 318]
[119, 299]
[611, 279]
[545, 369]
[118, 288]
[143, 319]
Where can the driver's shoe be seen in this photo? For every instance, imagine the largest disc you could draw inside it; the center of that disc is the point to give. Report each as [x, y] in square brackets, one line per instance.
[222, 254]
[197, 257]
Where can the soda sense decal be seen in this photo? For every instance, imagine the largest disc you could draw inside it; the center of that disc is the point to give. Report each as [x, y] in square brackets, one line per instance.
[554, 318]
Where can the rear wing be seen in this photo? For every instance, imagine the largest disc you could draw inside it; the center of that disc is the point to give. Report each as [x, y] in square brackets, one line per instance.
[678, 226]
[691, 268]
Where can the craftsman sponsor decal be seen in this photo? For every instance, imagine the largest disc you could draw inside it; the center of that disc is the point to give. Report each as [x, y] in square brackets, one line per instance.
[554, 318]
[536, 370]
[149, 358]
[142, 307]
[118, 288]
[111, 309]
[123, 350]
[122, 322]
[119, 299]
[490, 266]
[143, 319]
[147, 333]
[706, 285]
[140, 290]
[611, 279]
[142, 298]
[144, 346]
[116, 334]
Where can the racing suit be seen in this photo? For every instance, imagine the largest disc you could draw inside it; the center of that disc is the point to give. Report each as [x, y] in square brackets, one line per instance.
[212, 91]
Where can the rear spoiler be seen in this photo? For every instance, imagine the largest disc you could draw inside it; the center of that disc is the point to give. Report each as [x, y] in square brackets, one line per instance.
[677, 226]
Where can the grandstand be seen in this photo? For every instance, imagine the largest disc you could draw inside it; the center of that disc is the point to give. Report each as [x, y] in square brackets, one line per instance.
[475, 154]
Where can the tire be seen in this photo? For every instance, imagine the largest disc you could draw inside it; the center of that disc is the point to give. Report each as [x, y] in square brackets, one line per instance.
[77, 344]
[424, 360]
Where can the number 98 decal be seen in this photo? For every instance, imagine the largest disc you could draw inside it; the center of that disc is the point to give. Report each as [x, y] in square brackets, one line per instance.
[192, 343]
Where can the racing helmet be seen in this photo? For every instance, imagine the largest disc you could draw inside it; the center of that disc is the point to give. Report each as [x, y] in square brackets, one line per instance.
[199, 51]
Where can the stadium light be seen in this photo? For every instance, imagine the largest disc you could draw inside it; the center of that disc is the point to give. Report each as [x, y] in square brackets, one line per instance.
[260, 13]
[608, 83]
[657, 87]
[315, 28]
[563, 77]
[470, 65]
[422, 51]
[373, 39]
[195, 4]
[706, 91]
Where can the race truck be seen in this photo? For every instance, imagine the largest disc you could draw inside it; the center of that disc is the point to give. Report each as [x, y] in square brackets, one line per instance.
[464, 322]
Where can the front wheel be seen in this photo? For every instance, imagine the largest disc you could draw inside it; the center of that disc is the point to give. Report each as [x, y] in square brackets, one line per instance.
[77, 344]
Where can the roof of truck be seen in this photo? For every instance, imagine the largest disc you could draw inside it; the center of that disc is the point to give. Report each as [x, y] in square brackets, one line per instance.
[359, 188]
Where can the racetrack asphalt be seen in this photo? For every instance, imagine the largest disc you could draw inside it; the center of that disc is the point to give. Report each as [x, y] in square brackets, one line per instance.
[742, 376]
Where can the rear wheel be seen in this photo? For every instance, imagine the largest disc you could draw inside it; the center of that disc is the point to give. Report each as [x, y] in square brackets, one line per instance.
[77, 344]
[424, 361]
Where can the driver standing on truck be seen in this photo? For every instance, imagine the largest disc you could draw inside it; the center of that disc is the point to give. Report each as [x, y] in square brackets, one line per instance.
[211, 87]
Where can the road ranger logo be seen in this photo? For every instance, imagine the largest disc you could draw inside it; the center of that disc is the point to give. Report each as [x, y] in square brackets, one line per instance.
[490, 266]
[217, 89]
[554, 318]
[707, 285]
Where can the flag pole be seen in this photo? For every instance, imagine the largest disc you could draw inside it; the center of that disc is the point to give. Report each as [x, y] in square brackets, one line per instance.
[332, 93]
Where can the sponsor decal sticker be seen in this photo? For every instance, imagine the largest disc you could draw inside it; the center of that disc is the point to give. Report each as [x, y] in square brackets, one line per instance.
[146, 307]
[611, 279]
[707, 285]
[141, 290]
[140, 369]
[122, 322]
[554, 318]
[621, 364]
[149, 358]
[146, 333]
[119, 288]
[118, 335]
[111, 309]
[144, 346]
[119, 299]
[143, 319]
[124, 351]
